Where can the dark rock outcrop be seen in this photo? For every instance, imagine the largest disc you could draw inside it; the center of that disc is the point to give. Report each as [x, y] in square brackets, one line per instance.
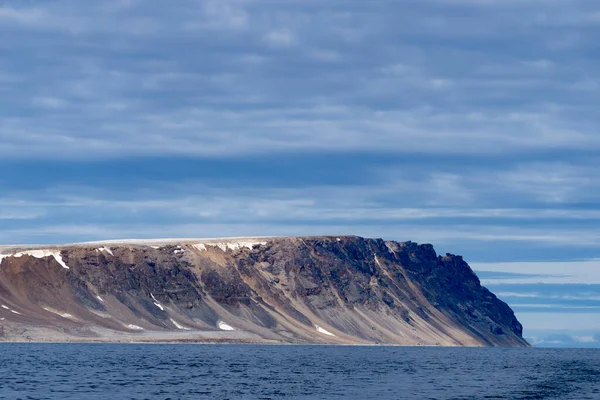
[290, 290]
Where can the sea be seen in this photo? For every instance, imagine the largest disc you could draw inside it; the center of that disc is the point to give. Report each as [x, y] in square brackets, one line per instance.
[191, 371]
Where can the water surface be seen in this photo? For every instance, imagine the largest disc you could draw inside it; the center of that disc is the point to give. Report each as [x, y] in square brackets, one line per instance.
[154, 371]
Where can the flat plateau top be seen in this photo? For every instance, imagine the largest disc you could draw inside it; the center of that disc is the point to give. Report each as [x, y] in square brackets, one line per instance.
[150, 242]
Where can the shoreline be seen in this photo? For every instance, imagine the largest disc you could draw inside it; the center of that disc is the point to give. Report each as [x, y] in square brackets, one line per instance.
[242, 343]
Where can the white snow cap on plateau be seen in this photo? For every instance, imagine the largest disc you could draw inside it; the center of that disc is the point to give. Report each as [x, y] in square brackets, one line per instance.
[229, 245]
[158, 243]
[43, 254]
[224, 327]
[323, 331]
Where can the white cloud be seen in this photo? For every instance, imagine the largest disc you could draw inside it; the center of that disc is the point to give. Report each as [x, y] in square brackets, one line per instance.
[585, 339]
[555, 306]
[17, 215]
[550, 182]
[325, 55]
[279, 38]
[26, 16]
[537, 295]
[573, 272]
[559, 321]
[403, 96]
[219, 14]
[363, 209]
[224, 132]
[49, 102]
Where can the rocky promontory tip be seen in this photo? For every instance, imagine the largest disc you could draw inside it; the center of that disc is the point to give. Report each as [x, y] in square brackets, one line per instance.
[339, 290]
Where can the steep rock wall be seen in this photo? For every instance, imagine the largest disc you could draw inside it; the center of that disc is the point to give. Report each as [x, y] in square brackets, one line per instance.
[346, 290]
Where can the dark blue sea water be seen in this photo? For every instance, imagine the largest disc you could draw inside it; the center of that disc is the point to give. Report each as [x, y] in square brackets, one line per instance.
[127, 371]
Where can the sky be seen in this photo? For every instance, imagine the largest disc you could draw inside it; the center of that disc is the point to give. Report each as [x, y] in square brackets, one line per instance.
[468, 124]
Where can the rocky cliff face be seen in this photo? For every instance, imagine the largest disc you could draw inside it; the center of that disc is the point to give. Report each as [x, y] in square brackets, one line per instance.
[278, 290]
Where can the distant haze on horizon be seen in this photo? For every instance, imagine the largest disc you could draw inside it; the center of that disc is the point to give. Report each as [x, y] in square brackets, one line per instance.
[471, 125]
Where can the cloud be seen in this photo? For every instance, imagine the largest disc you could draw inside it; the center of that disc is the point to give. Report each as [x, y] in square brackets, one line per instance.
[280, 38]
[189, 90]
[546, 297]
[25, 16]
[535, 321]
[49, 102]
[204, 131]
[20, 215]
[550, 182]
[572, 339]
[586, 272]
[220, 15]
[292, 200]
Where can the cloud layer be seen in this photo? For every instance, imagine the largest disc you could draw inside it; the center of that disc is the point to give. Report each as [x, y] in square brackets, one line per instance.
[228, 78]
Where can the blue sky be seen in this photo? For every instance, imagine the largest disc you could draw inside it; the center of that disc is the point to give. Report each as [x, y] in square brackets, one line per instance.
[469, 124]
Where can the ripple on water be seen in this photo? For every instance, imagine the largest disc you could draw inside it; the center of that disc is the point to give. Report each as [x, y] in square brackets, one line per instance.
[94, 371]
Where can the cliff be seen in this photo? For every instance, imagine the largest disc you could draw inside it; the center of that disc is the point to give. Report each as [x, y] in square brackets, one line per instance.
[345, 290]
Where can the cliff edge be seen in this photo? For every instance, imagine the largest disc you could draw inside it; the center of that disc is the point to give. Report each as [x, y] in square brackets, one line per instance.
[341, 290]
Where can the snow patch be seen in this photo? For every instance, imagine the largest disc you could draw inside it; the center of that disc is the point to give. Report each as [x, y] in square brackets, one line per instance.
[134, 327]
[155, 247]
[179, 326]
[156, 303]
[59, 259]
[62, 314]
[377, 261]
[107, 250]
[390, 248]
[323, 331]
[100, 298]
[11, 310]
[3, 256]
[178, 251]
[224, 327]
[224, 246]
[100, 314]
[43, 254]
